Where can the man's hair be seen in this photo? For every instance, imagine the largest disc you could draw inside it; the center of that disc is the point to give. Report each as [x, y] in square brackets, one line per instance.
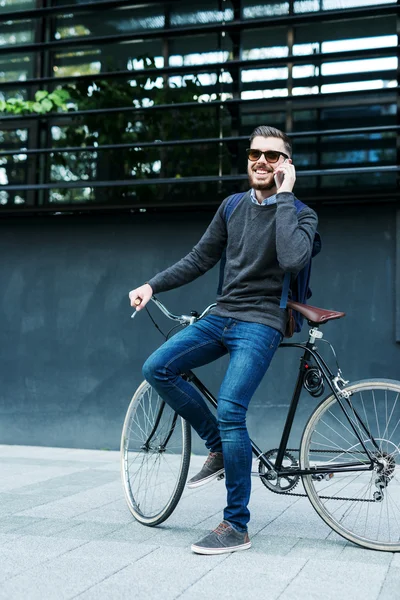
[266, 131]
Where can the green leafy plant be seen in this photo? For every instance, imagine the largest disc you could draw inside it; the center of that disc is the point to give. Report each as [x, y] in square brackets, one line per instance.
[134, 128]
[44, 102]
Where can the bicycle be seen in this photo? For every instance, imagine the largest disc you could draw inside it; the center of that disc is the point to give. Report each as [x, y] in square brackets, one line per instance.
[346, 459]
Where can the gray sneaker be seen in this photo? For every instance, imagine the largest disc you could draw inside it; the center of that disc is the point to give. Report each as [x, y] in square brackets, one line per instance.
[223, 539]
[212, 468]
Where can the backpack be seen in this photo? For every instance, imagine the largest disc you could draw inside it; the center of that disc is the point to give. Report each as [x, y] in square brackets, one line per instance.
[298, 286]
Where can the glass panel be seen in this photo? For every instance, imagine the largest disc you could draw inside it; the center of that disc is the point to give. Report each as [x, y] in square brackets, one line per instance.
[304, 6]
[197, 51]
[204, 12]
[379, 41]
[89, 60]
[256, 10]
[16, 32]
[16, 67]
[110, 22]
[305, 152]
[361, 149]
[358, 116]
[338, 4]
[253, 116]
[134, 161]
[359, 182]
[13, 168]
[11, 5]
[203, 193]
[264, 43]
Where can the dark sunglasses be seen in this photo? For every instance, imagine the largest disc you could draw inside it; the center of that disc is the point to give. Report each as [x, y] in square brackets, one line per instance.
[271, 156]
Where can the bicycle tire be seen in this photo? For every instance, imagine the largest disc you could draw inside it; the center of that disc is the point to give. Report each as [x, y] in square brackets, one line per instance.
[152, 492]
[347, 501]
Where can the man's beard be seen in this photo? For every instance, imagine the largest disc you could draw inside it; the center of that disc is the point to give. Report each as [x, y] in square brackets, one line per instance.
[267, 185]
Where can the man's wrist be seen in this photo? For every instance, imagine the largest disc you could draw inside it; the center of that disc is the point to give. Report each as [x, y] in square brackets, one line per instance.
[147, 283]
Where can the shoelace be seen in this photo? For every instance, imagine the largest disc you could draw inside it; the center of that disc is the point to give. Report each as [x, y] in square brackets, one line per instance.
[222, 527]
[211, 457]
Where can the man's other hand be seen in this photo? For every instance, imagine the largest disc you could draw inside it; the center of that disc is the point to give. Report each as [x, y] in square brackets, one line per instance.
[142, 293]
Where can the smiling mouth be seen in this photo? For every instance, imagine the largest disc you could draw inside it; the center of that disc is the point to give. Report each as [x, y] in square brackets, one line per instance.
[261, 172]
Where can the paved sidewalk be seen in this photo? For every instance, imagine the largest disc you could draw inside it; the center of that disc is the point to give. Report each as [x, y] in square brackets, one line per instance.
[66, 532]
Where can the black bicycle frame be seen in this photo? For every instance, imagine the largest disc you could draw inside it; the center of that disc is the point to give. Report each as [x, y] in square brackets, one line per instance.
[146, 445]
[309, 352]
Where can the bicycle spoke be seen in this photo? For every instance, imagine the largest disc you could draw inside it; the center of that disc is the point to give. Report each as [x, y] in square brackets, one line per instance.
[337, 446]
[152, 456]
[364, 506]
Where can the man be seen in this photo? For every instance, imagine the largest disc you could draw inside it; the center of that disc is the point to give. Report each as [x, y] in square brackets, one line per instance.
[264, 237]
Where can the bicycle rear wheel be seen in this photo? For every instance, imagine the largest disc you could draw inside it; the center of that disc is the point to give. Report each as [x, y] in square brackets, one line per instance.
[155, 456]
[362, 506]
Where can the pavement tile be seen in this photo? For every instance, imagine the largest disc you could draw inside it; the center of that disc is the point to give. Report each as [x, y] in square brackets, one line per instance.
[273, 545]
[171, 574]
[77, 504]
[309, 525]
[105, 514]
[133, 533]
[41, 474]
[246, 575]
[45, 527]
[308, 548]
[13, 523]
[178, 537]
[66, 576]
[391, 585]
[7, 538]
[11, 503]
[330, 580]
[28, 462]
[87, 530]
[352, 553]
[19, 556]
[45, 452]
[396, 560]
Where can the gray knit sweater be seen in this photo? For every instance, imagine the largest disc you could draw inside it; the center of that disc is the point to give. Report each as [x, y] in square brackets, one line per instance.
[262, 242]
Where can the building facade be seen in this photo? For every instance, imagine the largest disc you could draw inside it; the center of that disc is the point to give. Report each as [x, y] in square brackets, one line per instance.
[123, 128]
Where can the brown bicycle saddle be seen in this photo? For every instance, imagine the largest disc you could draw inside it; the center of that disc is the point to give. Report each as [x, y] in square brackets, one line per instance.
[315, 315]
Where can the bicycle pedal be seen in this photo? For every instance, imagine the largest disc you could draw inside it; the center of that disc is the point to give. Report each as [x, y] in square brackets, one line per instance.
[221, 476]
[322, 476]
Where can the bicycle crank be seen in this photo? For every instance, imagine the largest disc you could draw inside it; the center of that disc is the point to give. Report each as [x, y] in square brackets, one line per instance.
[280, 484]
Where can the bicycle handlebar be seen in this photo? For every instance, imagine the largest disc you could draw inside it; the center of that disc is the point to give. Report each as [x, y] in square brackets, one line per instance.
[182, 319]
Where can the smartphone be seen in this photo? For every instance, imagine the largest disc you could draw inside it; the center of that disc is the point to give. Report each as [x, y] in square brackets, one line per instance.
[279, 177]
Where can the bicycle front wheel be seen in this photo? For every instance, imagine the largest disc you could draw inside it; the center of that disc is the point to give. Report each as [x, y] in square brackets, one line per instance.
[363, 506]
[155, 456]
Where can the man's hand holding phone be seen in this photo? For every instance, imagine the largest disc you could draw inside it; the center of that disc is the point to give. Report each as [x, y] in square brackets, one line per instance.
[285, 176]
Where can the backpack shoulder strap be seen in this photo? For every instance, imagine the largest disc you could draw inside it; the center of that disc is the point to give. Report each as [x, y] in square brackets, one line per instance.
[316, 249]
[317, 245]
[230, 206]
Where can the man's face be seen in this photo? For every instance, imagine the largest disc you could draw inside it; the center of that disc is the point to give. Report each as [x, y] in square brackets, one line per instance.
[261, 172]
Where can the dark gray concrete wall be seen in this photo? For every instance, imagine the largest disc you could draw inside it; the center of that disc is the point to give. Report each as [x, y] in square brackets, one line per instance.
[71, 356]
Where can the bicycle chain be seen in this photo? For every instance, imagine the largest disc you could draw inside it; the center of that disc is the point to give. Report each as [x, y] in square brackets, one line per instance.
[322, 497]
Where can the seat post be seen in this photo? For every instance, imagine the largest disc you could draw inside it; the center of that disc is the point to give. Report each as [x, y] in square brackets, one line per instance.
[314, 334]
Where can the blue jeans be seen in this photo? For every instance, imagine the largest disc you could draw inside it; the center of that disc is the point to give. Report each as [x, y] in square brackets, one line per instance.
[251, 347]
